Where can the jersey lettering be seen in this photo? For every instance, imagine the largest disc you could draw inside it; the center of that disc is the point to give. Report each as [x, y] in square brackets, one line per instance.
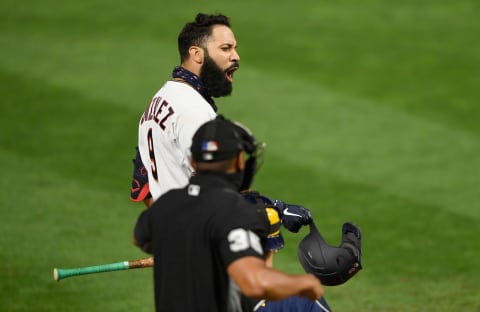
[161, 123]
[159, 110]
[241, 239]
[151, 153]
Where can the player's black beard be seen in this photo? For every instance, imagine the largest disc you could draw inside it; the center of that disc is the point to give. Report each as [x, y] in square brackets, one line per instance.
[213, 77]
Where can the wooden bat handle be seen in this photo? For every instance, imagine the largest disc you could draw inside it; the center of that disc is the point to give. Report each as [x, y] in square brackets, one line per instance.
[141, 263]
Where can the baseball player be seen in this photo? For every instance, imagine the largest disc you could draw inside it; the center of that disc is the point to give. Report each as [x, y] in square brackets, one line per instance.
[296, 217]
[206, 235]
[208, 56]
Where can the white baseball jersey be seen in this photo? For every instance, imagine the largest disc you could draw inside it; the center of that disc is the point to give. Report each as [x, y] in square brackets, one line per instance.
[165, 134]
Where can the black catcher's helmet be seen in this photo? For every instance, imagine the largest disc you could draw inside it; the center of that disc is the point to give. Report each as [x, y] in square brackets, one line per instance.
[331, 265]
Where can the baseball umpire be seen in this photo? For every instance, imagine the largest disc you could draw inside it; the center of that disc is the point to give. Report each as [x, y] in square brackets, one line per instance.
[207, 239]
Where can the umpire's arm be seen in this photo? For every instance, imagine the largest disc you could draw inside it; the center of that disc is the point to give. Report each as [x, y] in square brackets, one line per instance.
[256, 280]
[142, 234]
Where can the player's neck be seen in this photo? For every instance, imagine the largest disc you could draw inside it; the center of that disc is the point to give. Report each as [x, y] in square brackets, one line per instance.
[186, 76]
[179, 80]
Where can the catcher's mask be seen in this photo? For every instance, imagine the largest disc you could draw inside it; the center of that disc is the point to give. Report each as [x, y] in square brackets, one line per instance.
[255, 152]
[331, 265]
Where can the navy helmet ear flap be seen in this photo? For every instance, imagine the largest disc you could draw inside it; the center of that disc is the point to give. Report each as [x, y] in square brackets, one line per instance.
[331, 265]
[352, 239]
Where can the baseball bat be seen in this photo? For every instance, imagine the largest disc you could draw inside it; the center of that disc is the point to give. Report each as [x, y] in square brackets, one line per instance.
[59, 274]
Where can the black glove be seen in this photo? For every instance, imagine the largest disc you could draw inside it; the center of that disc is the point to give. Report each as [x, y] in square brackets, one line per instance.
[293, 216]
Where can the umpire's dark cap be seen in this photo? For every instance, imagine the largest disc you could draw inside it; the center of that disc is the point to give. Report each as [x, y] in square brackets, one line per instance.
[216, 140]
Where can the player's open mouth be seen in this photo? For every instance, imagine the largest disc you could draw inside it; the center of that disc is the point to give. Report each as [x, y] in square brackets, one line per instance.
[229, 73]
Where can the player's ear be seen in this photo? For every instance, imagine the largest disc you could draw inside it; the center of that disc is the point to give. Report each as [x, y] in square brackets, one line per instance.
[196, 54]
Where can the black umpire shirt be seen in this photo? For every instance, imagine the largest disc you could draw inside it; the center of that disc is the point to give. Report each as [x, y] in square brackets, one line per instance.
[196, 232]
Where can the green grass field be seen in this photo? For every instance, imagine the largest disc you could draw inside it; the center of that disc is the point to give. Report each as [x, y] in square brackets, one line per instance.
[369, 109]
